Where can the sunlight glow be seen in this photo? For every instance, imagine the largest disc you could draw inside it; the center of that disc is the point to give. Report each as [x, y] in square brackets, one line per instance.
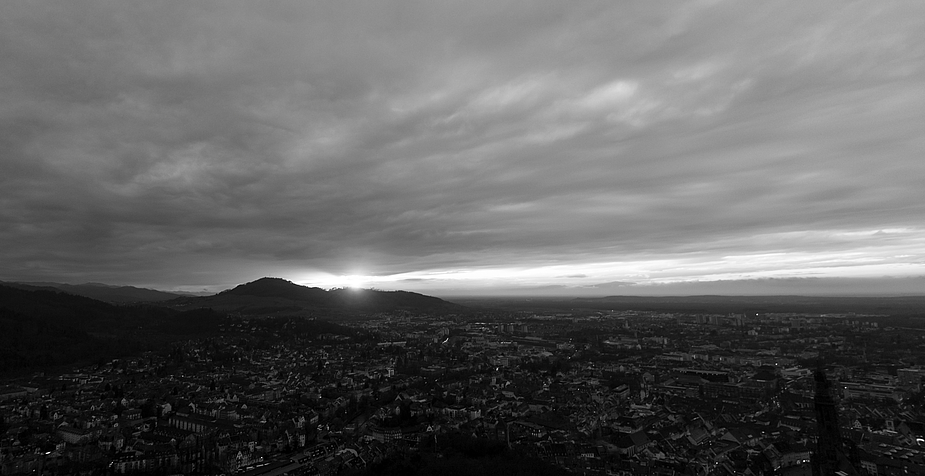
[332, 281]
[830, 254]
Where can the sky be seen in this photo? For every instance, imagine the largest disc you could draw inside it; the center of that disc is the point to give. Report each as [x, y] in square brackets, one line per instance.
[466, 148]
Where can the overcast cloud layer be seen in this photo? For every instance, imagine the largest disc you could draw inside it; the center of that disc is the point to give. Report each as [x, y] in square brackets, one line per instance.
[459, 148]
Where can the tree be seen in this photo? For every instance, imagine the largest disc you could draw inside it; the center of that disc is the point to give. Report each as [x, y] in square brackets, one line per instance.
[148, 408]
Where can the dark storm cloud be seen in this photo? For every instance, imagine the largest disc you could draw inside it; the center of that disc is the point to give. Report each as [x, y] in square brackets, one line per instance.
[450, 145]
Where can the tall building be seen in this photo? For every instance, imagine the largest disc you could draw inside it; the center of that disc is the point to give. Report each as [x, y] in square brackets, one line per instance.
[833, 454]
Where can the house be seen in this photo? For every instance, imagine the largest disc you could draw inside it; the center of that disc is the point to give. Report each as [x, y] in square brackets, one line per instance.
[741, 436]
[630, 444]
[10, 392]
[74, 436]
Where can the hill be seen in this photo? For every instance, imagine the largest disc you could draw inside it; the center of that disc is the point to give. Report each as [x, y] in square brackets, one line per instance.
[276, 296]
[884, 305]
[45, 329]
[900, 307]
[101, 292]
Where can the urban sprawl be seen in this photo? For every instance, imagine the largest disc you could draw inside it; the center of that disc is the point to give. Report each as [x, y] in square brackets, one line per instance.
[615, 393]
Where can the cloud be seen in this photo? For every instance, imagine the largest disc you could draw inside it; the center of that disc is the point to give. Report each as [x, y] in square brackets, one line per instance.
[191, 145]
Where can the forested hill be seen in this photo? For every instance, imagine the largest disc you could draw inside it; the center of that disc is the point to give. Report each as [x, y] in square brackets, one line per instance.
[40, 329]
[46, 329]
[100, 292]
[275, 296]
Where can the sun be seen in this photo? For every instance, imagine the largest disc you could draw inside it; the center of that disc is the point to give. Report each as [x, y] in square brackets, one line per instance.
[352, 281]
[356, 280]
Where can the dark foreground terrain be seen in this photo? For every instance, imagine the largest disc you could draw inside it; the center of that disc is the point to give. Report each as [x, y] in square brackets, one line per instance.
[271, 378]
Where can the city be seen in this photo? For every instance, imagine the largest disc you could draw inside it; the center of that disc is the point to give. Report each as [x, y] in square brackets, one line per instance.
[457, 238]
[582, 392]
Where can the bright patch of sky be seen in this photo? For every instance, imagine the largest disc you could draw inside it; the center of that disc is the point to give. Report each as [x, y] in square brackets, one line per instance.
[466, 147]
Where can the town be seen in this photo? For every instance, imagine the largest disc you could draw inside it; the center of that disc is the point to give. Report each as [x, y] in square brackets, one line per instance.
[583, 392]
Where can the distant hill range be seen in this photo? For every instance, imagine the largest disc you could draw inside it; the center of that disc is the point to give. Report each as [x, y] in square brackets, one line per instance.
[912, 306]
[265, 296]
[100, 292]
[883, 305]
[43, 328]
[47, 328]
[276, 296]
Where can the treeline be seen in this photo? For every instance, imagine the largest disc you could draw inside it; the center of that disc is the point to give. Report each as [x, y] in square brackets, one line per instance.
[29, 343]
[41, 330]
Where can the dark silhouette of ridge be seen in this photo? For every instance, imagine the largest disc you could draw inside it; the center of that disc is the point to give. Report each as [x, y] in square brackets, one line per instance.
[276, 296]
[43, 328]
[278, 288]
[889, 305]
[101, 292]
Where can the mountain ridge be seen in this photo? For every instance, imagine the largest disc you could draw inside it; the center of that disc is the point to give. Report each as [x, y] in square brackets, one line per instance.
[279, 296]
[113, 294]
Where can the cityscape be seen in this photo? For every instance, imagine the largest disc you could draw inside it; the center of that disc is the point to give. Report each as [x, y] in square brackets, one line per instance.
[532, 387]
[455, 238]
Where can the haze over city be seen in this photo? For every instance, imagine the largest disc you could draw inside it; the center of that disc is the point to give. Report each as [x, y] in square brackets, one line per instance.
[466, 148]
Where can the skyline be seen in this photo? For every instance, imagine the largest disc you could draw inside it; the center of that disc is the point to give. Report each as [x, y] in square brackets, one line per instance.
[466, 148]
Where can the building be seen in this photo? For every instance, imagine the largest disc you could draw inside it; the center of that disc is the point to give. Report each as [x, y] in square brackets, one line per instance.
[735, 392]
[870, 391]
[910, 378]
